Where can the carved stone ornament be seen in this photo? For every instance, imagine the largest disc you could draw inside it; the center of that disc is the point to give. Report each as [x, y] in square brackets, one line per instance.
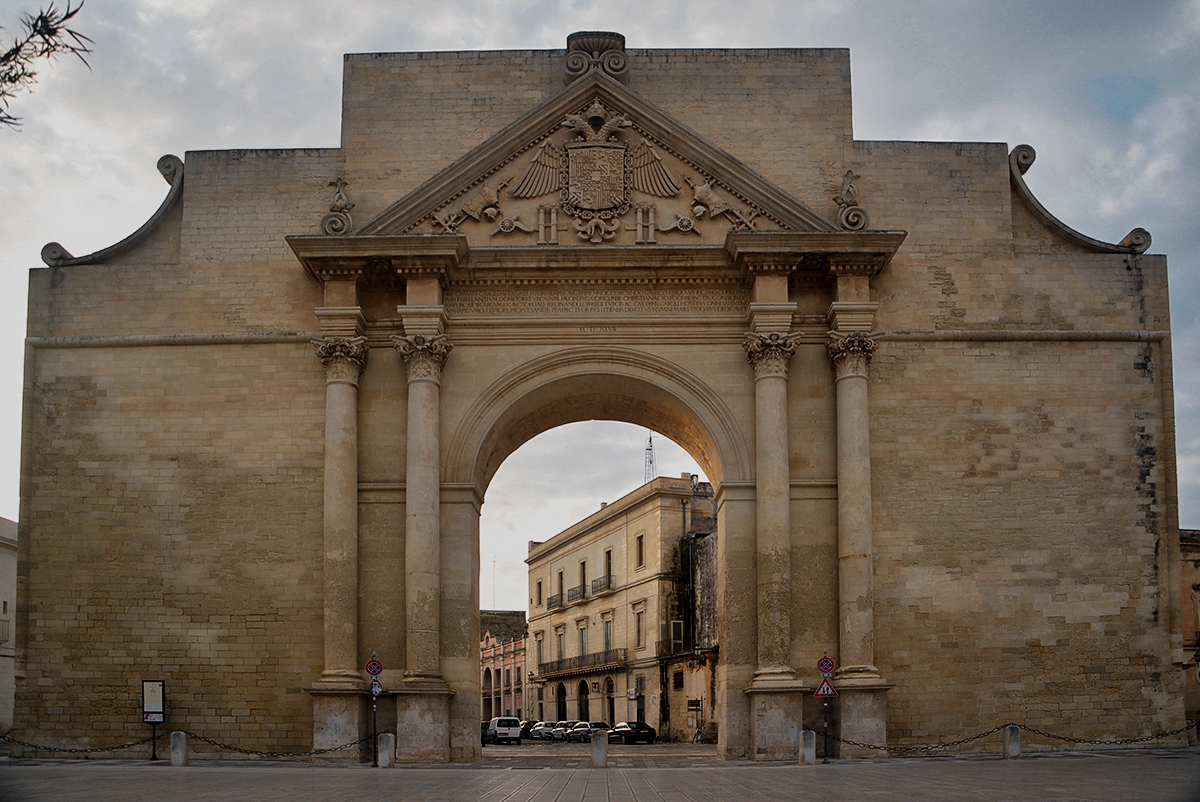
[596, 50]
[424, 356]
[769, 354]
[338, 220]
[852, 217]
[851, 353]
[343, 358]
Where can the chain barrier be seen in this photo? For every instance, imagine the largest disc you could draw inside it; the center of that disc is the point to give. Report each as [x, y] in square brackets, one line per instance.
[994, 730]
[78, 750]
[231, 748]
[314, 752]
[220, 745]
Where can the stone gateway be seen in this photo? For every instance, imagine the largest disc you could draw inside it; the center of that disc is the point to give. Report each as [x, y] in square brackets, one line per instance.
[938, 422]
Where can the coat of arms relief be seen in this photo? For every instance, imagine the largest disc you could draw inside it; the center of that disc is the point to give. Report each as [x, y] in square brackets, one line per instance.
[595, 179]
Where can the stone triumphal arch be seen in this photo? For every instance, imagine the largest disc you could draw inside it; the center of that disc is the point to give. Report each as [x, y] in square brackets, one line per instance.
[507, 242]
[587, 263]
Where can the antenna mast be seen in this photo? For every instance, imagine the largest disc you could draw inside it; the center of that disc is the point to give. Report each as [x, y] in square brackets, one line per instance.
[651, 469]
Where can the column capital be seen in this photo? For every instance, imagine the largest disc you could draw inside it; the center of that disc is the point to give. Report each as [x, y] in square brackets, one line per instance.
[424, 355]
[770, 353]
[343, 357]
[851, 353]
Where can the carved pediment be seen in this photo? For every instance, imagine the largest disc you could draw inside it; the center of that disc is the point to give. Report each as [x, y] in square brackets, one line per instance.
[596, 165]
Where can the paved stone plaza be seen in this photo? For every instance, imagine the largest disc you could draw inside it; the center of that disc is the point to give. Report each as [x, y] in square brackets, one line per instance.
[662, 772]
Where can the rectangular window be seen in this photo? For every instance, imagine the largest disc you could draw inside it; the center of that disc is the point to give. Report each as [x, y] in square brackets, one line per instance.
[640, 554]
[540, 656]
[678, 680]
[560, 583]
[639, 621]
[583, 640]
[608, 635]
[583, 573]
[539, 593]
[608, 562]
[562, 646]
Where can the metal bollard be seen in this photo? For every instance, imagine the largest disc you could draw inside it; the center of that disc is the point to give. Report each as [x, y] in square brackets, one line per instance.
[387, 750]
[808, 747]
[599, 749]
[179, 749]
[1012, 742]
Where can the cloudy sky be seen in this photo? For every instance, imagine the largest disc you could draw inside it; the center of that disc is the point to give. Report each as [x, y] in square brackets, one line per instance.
[1108, 93]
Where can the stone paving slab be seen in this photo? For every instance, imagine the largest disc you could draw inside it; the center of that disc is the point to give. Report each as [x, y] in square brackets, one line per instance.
[1157, 776]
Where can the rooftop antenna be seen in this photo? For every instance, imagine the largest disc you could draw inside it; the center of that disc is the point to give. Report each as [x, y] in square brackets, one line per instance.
[651, 470]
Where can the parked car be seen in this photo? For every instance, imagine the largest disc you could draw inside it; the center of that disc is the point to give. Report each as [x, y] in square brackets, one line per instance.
[527, 727]
[503, 729]
[559, 733]
[584, 730]
[541, 730]
[630, 732]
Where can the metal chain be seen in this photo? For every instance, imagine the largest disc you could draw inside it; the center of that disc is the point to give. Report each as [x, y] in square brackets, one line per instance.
[7, 736]
[1113, 741]
[231, 748]
[994, 730]
[923, 748]
[223, 746]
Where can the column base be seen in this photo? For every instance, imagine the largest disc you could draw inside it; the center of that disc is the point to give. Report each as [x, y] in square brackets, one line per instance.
[863, 718]
[776, 710]
[338, 680]
[423, 721]
[340, 717]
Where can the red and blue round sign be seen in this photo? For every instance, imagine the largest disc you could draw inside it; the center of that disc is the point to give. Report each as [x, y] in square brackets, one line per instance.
[825, 665]
[374, 668]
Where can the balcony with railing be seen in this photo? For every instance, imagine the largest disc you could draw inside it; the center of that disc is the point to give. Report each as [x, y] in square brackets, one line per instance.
[604, 584]
[583, 664]
[576, 593]
[554, 601]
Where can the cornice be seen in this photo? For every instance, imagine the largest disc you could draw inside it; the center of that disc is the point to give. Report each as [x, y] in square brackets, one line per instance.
[333, 257]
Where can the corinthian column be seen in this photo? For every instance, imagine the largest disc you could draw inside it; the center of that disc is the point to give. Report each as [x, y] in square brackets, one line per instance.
[851, 356]
[769, 354]
[344, 360]
[425, 356]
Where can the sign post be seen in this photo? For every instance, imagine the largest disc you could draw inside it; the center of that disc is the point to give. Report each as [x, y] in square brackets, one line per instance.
[825, 691]
[375, 668]
[153, 710]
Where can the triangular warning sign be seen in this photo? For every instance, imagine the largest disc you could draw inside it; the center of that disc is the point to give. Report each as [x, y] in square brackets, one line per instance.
[825, 689]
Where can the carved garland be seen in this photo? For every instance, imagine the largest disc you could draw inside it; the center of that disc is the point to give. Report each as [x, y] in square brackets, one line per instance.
[424, 356]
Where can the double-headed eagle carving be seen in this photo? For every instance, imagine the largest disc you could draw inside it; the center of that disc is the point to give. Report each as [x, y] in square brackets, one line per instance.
[648, 173]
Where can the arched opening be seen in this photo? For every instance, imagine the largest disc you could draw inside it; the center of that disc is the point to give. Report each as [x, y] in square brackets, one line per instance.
[488, 692]
[560, 699]
[583, 706]
[594, 387]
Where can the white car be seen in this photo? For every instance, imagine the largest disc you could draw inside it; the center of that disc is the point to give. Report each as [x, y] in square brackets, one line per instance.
[503, 729]
[541, 730]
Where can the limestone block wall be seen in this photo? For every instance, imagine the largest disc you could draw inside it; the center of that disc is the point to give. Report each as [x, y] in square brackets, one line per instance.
[176, 499]
[1018, 509]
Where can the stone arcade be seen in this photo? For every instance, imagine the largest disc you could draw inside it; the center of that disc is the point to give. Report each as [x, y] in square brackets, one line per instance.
[940, 436]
